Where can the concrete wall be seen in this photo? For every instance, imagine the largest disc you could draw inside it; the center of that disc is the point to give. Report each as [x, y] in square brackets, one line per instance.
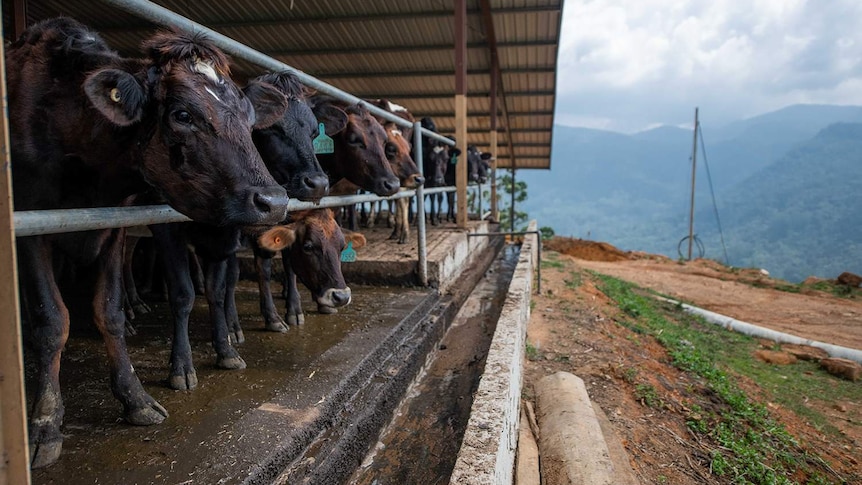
[487, 454]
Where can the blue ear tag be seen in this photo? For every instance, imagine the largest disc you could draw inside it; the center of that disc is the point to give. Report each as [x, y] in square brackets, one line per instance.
[349, 254]
[453, 160]
[323, 144]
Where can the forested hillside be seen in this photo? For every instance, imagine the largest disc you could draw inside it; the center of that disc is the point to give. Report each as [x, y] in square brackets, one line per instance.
[784, 183]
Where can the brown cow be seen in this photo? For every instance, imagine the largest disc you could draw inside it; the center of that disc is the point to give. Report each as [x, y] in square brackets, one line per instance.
[92, 129]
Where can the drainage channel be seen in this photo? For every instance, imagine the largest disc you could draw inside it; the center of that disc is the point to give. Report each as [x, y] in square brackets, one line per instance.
[421, 442]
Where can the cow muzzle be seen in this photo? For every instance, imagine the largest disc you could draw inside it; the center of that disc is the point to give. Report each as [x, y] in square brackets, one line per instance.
[332, 299]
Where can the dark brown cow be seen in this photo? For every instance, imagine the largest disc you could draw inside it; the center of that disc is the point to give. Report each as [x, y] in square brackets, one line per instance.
[92, 129]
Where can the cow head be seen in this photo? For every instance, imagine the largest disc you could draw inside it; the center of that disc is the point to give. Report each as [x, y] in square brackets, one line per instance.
[287, 146]
[435, 156]
[475, 172]
[200, 155]
[315, 243]
[398, 145]
[359, 144]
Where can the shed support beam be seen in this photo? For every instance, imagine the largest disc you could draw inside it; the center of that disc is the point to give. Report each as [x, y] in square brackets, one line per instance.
[461, 109]
[14, 453]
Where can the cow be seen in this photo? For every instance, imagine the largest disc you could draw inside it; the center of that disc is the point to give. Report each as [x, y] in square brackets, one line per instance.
[399, 144]
[92, 129]
[288, 153]
[315, 242]
[435, 159]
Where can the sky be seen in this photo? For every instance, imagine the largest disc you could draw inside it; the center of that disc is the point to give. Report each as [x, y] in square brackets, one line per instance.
[630, 65]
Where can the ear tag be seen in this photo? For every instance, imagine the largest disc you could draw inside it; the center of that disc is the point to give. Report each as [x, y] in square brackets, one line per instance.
[323, 144]
[453, 160]
[349, 254]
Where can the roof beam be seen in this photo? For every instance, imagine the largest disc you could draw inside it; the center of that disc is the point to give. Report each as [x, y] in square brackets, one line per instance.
[428, 73]
[484, 130]
[451, 114]
[396, 48]
[483, 94]
[337, 19]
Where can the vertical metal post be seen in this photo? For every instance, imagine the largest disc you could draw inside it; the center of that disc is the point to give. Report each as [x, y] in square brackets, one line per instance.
[14, 453]
[512, 207]
[420, 206]
[461, 109]
[693, 171]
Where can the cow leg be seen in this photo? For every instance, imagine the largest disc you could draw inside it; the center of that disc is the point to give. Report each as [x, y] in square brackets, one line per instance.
[272, 320]
[371, 219]
[134, 304]
[197, 273]
[450, 211]
[138, 407]
[230, 314]
[215, 276]
[181, 295]
[49, 321]
[293, 315]
[402, 208]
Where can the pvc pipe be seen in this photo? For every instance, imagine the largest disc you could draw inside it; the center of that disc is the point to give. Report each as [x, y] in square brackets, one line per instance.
[760, 332]
[162, 16]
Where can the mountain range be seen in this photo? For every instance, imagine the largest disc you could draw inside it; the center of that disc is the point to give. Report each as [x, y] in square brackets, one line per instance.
[785, 184]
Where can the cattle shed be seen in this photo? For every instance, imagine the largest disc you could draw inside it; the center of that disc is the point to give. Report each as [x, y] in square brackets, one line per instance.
[485, 70]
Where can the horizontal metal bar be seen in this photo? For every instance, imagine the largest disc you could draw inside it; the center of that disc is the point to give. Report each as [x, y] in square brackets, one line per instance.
[162, 16]
[56, 221]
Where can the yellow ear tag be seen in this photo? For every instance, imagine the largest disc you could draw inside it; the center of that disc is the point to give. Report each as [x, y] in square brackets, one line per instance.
[115, 95]
[349, 254]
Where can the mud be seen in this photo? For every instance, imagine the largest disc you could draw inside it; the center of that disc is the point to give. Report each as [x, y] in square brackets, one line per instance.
[421, 443]
[219, 432]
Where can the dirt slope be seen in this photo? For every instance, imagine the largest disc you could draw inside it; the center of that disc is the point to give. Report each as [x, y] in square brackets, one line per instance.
[573, 328]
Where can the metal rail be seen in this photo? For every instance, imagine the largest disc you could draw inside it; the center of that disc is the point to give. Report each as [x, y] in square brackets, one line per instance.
[520, 233]
[162, 16]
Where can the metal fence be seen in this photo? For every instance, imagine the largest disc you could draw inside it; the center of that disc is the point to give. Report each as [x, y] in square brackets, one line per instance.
[31, 223]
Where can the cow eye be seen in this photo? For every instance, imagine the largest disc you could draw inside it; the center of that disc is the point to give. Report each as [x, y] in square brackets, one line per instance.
[307, 246]
[355, 140]
[391, 150]
[183, 117]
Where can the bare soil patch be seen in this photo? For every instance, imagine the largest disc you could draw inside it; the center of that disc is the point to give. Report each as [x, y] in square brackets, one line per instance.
[574, 327]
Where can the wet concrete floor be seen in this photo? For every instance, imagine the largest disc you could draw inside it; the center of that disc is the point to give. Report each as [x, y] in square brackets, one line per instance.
[421, 443]
[220, 432]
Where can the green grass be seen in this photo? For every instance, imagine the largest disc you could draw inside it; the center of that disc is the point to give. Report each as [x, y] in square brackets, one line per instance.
[552, 264]
[753, 447]
[532, 352]
[573, 281]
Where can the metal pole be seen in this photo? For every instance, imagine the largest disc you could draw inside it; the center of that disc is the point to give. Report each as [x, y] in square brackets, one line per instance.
[693, 171]
[420, 205]
[162, 16]
[14, 452]
[512, 208]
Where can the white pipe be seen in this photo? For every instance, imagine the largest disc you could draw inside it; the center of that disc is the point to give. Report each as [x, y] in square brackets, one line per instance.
[760, 332]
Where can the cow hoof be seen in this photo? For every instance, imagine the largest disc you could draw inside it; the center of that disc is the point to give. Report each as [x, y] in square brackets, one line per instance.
[277, 325]
[131, 331]
[236, 336]
[184, 382]
[326, 310]
[231, 363]
[295, 318]
[44, 454]
[148, 414]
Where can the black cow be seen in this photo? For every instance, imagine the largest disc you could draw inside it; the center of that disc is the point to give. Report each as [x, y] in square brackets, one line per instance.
[91, 129]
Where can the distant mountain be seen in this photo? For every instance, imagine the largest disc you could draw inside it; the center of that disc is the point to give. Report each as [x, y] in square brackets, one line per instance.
[633, 190]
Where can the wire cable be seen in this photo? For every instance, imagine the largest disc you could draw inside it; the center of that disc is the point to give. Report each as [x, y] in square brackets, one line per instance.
[712, 192]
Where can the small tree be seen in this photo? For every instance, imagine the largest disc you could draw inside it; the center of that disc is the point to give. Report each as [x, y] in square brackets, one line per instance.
[547, 232]
[521, 218]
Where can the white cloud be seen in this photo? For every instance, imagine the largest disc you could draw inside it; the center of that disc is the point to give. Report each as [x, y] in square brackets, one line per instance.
[641, 62]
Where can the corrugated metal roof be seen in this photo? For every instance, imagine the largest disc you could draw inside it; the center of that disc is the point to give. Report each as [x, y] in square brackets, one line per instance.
[394, 49]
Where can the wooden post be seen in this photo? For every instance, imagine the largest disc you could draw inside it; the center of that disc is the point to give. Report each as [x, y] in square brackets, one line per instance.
[19, 9]
[495, 76]
[14, 454]
[461, 109]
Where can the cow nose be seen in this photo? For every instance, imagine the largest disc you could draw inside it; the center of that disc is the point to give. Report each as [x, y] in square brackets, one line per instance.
[419, 180]
[269, 204]
[390, 186]
[341, 297]
[316, 186]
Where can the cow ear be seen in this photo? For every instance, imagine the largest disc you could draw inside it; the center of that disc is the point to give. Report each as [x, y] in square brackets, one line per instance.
[455, 151]
[332, 117]
[269, 103]
[356, 238]
[277, 238]
[117, 95]
[486, 156]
